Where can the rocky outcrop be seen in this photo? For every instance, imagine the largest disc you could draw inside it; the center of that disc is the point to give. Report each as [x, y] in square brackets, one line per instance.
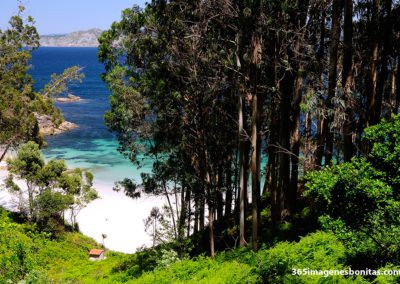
[69, 99]
[76, 39]
[47, 126]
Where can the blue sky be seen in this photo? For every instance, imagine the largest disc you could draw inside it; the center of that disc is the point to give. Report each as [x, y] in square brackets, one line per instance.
[64, 16]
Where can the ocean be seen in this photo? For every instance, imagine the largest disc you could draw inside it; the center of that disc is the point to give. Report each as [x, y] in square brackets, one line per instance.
[91, 146]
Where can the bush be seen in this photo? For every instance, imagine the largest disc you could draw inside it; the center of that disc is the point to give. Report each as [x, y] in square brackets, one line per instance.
[201, 270]
[318, 251]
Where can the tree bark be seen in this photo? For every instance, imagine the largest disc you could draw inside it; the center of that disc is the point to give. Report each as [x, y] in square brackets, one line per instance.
[374, 99]
[211, 227]
[319, 149]
[171, 209]
[255, 139]
[228, 183]
[183, 213]
[347, 79]
[298, 19]
[242, 178]
[332, 77]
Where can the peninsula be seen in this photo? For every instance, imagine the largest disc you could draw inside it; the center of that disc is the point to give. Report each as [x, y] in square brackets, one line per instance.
[86, 38]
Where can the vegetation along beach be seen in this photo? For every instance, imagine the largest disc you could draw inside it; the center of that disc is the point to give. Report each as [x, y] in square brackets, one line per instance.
[200, 141]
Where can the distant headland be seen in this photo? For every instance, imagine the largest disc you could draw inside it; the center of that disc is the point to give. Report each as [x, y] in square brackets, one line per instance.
[86, 38]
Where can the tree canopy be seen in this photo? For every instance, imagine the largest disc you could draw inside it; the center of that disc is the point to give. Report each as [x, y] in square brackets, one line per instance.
[228, 95]
[20, 104]
[50, 188]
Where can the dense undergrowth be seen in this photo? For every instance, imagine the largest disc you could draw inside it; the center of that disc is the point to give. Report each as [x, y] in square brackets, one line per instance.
[27, 256]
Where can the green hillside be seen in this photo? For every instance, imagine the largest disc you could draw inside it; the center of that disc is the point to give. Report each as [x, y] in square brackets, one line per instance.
[27, 256]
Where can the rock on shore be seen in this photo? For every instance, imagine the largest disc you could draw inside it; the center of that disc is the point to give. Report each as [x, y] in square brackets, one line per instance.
[69, 99]
[47, 127]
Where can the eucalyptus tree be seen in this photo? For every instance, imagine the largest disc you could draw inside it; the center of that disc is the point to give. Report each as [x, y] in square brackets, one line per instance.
[209, 88]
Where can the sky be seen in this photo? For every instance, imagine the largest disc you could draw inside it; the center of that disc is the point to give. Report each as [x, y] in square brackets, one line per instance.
[64, 16]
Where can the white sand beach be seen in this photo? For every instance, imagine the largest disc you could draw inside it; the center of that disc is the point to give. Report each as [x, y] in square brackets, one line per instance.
[113, 214]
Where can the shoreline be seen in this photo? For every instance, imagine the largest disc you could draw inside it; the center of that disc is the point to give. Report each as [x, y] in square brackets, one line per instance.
[70, 46]
[113, 213]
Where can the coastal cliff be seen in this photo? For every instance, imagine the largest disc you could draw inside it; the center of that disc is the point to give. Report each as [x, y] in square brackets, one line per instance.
[86, 38]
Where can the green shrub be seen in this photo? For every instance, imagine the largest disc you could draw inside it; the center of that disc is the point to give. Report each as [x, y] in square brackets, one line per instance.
[318, 251]
[201, 270]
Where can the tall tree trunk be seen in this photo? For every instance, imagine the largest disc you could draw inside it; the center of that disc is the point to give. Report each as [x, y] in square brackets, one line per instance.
[211, 227]
[347, 79]
[298, 19]
[319, 149]
[332, 77]
[397, 88]
[171, 209]
[307, 143]
[202, 212]
[228, 184]
[383, 84]
[374, 99]
[189, 211]
[183, 213]
[242, 178]
[271, 173]
[196, 210]
[255, 139]
[219, 197]
[284, 193]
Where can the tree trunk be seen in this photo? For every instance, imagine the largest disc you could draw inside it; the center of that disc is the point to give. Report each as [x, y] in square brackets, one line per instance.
[307, 143]
[211, 227]
[183, 213]
[284, 193]
[332, 77]
[374, 99]
[242, 178]
[7, 147]
[319, 149]
[383, 84]
[171, 209]
[347, 79]
[202, 210]
[219, 197]
[189, 211]
[397, 88]
[196, 210]
[255, 139]
[228, 183]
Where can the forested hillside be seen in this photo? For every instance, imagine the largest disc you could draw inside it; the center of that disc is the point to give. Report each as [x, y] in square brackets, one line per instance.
[238, 102]
[273, 128]
[31, 257]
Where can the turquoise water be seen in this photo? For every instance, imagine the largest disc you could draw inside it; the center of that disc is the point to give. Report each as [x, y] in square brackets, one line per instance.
[91, 146]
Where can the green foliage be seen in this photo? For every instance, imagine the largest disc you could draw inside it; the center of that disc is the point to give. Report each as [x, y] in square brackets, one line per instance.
[17, 120]
[59, 83]
[20, 105]
[50, 188]
[385, 152]
[167, 257]
[319, 251]
[359, 200]
[201, 270]
[17, 250]
[27, 256]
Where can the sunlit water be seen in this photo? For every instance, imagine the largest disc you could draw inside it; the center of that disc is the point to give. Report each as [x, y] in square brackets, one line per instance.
[90, 146]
